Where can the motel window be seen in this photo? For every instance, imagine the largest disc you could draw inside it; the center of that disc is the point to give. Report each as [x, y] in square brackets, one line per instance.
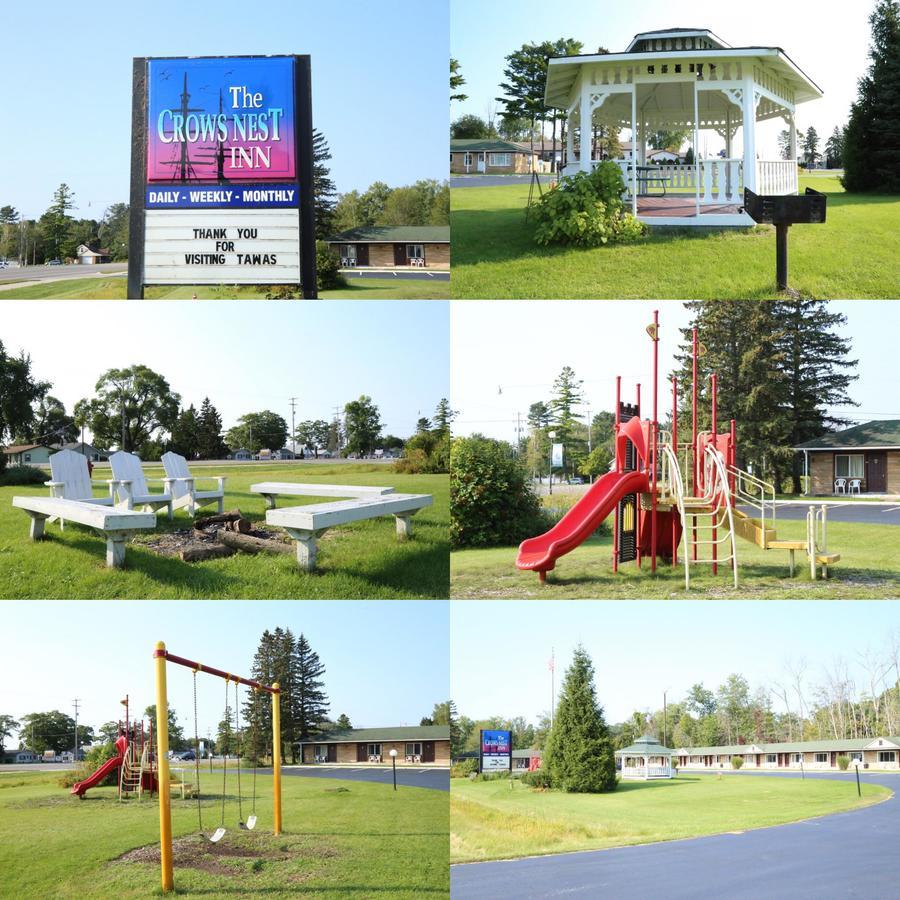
[821, 757]
[770, 757]
[348, 254]
[856, 756]
[849, 465]
[321, 751]
[27, 457]
[501, 159]
[415, 251]
[414, 749]
[886, 756]
[468, 159]
[374, 749]
[796, 757]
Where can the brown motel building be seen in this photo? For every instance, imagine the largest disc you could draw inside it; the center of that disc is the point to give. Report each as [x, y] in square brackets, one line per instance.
[864, 459]
[393, 247]
[427, 745]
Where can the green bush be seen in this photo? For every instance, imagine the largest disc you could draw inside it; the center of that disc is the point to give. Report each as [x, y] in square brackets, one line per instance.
[426, 453]
[464, 769]
[328, 266]
[586, 210]
[737, 762]
[539, 778]
[491, 500]
[843, 763]
[22, 475]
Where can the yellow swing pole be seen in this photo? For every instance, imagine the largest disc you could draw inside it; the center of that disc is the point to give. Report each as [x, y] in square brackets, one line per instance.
[162, 758]
[276, 756]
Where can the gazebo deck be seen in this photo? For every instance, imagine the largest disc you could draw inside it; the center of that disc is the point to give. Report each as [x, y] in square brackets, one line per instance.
[683, 207]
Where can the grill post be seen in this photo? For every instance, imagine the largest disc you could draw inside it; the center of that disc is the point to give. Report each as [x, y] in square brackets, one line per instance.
[781, 255]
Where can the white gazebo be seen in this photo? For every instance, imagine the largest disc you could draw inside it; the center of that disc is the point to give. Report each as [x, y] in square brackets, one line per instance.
[684, 79]
[646, 759]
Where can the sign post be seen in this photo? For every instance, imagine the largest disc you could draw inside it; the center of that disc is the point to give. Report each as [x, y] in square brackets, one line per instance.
[222, 172]
[495, 751]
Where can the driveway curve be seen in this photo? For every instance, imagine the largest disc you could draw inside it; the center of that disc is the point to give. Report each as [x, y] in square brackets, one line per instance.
[843, 855]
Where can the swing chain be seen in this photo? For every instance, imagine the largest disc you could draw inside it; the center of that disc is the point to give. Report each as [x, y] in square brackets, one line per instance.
[197, 758]
[240, 743]
[224, 758]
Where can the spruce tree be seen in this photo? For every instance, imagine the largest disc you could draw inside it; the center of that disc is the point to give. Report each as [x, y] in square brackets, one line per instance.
[209, 432]
[567, 394]
[310, 701]
[579, 756]
[872, 137]
[324, 191]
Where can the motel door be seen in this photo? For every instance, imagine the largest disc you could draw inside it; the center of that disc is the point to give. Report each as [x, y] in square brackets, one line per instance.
[876, 473]
[482, 158]
[428, 751]
[400, 254]
[361, 754]
[332, 753]
[362, 254]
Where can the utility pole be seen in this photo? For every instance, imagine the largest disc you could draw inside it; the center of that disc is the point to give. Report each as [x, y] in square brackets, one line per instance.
[665, 720]
[293, 425]
[75, 703]
[337, 419]
[552, 666]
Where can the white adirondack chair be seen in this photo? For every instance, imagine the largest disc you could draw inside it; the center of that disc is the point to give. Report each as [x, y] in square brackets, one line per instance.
[130, 484]
[71, 480]
[184, 492]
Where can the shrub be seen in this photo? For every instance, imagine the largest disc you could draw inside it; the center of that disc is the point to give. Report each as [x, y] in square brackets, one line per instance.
[21, 475]
[843, 763]
[736, 762]
[587, 210]
[464, 768]
[491, 500]
[426, 453]
[539, 778]
[328, 268]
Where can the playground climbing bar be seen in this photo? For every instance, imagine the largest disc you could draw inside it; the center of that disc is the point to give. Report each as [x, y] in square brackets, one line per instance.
[163, 656]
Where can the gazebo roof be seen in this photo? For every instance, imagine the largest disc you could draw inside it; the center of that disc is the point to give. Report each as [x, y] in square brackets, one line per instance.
[697, 45]
[645, 746]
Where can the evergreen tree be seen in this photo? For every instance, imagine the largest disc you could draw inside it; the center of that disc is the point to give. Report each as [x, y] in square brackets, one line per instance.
[186, 433]
[834, 149]
[343, 723]
[784, 144]
[567, 394]
[209, 432]
[310, 700]
[443, 416]
[324, 190]
[523, 88]
[56, 222]
[456, 81]
[811, 146]
[814, 356]
[872, 136]
[226, 738]
[579, 755]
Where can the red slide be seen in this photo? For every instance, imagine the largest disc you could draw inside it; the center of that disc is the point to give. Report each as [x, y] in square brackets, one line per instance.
[97, 778]
[581, 521]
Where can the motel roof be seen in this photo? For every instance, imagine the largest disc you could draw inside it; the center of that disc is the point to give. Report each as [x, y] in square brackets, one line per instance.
[402, 234]
[876, 435]
[495, 145]
[377, 735]
[864, 743]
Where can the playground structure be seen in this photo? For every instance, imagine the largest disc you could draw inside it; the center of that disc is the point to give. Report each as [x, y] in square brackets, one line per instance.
[134, 760]
[162, 657]
[662, 493]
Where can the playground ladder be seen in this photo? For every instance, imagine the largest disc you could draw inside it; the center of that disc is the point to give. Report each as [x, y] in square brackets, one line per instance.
[130, 780]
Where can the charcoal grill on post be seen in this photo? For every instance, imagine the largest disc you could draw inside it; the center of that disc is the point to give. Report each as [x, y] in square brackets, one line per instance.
[782, 211]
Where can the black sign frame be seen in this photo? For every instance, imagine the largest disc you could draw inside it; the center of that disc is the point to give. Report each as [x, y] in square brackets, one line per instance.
[303, 181]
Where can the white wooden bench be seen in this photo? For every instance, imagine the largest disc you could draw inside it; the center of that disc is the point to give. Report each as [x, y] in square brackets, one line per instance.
[116, 525]
[130, 483]
[271, 489]
[306, 524]
[183, 486]
[70, 479]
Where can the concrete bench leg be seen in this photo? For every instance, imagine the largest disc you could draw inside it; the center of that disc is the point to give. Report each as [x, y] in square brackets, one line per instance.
[221, 505]
[404, 526]
[115, 551]
[307, 547]
[36, 531]
[792, 562]
[270, 500]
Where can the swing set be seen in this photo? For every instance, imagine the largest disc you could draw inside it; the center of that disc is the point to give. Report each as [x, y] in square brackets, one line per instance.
[162, 657]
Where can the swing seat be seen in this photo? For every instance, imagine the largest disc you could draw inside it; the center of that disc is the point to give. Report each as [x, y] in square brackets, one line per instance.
[250, 824]
[217, 836]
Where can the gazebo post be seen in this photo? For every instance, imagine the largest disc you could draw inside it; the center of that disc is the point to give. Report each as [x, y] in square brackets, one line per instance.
[570, 135]
[748, 127]
[696, 148]
[634, 189]
[584, 156]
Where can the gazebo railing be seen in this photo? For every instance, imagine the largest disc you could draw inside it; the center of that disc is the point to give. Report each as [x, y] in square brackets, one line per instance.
[647, 771]
[720, 180]
[776, 176]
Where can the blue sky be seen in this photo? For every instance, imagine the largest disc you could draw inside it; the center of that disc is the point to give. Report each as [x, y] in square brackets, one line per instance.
[494, 380]
[500, 650]
[379, 86]
[832, 51]
[324, 353]
[60, 650]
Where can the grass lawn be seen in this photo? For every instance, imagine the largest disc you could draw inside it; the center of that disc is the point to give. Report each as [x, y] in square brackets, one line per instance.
[869, 568]
[340, 840]
[363, 559]
[113, 288]
[853, 255]
[488, 820]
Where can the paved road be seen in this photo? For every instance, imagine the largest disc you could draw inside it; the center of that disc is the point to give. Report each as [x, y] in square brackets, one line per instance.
[400, 276]
[866, 513]
[434, 779]
[846, 855]
[59, 273]
[36, 767]
[466, 181]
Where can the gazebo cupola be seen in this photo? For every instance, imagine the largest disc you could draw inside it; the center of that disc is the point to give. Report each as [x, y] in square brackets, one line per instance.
[646, 759]
[684, 80]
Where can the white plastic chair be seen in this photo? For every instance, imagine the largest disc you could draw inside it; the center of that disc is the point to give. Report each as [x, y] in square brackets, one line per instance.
[840, 485]
[855, 486]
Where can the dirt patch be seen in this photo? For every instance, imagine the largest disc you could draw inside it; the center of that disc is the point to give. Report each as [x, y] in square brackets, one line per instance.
[174, 543]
